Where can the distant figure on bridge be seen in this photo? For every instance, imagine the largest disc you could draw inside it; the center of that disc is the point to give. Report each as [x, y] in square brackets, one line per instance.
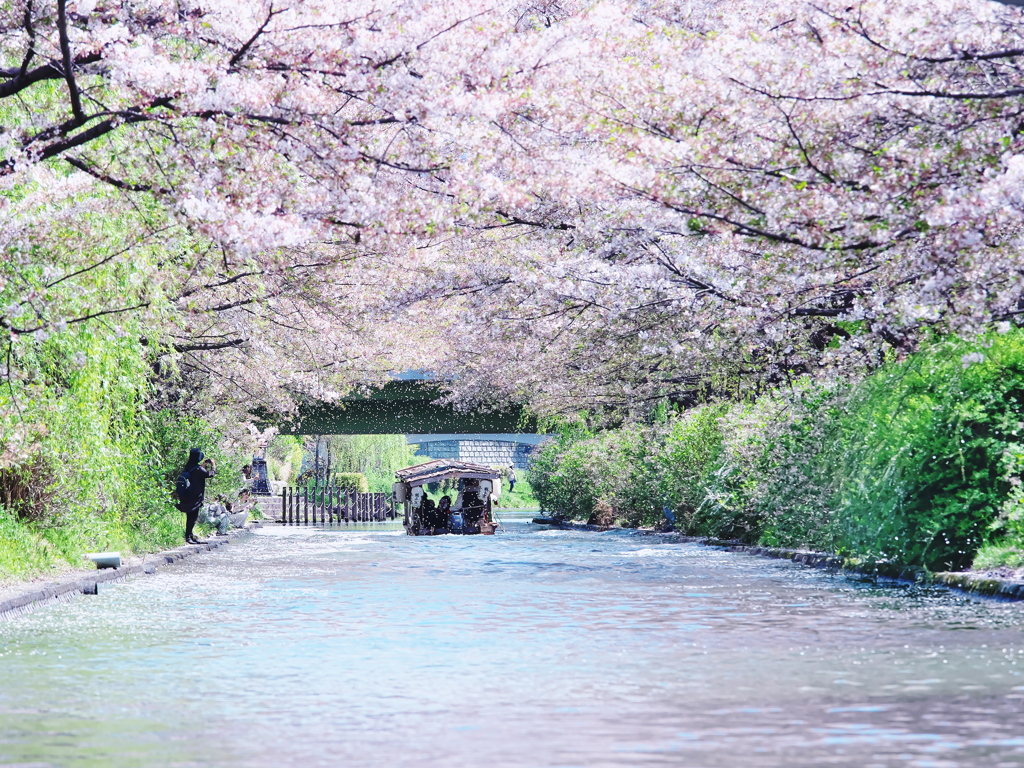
[190, 490]
[511, 478]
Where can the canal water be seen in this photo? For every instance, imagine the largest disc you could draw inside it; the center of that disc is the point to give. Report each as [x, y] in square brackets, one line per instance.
[300, 647]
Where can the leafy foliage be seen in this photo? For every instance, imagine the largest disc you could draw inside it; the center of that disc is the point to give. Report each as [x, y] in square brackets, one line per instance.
[85, 465]
[351, 481]
[920, 463]
[637, 469]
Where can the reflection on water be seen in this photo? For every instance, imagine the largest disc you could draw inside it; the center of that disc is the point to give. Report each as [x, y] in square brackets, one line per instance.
[534, 648]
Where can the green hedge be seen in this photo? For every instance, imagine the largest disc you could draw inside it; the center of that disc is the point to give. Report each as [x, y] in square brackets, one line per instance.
[919, 463]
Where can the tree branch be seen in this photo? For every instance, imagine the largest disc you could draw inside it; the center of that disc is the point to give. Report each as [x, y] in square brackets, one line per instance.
[31, 30]
[240, 53]
[65, 52]
[19, 81]
[111, 180]
[208, 347]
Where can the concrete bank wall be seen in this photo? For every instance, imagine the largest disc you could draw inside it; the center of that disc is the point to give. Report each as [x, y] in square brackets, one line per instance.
[88, 582]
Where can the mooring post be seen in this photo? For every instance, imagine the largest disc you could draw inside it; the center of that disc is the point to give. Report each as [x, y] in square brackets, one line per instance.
[284, 504]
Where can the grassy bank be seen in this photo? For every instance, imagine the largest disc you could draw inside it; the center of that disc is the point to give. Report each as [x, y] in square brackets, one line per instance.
[920, 463]
[86, 464]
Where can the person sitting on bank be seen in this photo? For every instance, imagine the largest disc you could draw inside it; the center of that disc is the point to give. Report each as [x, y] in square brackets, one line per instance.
[224, 515]
[239, 511]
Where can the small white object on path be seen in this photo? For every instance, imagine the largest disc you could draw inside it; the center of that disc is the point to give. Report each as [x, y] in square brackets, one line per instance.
[105, 559]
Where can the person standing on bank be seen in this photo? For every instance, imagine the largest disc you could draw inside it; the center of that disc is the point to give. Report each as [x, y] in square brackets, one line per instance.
[511, 477]
[191, 490]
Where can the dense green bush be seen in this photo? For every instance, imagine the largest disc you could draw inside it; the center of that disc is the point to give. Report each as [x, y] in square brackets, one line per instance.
[562, 482]
[919, 463]
[351, 481]
[638, 470]
[772, 481]
[933, 454]
[85, 466]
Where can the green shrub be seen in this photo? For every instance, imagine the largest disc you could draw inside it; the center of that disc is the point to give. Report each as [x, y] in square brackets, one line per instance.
[919, 463]
[933, 454]
[638, 470]
[772, 481]
[352, 482]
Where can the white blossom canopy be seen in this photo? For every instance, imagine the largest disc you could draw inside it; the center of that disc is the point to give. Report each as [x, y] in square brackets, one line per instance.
[579, 205]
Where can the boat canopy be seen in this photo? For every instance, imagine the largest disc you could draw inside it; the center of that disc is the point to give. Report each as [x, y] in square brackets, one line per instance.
[443, 469]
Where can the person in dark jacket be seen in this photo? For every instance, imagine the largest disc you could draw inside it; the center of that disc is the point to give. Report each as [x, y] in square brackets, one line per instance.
[191, 500]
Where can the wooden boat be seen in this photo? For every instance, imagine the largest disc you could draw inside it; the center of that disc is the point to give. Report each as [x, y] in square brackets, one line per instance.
[477, 489]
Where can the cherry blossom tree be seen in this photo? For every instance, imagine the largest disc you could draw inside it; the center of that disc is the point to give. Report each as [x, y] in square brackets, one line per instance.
[231, 156]
[594, 204]
[751, 193]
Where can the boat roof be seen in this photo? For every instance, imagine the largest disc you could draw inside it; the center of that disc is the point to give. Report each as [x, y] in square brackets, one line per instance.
[443, 469]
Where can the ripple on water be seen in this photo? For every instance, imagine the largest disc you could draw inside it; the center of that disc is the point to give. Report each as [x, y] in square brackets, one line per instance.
[535, 648]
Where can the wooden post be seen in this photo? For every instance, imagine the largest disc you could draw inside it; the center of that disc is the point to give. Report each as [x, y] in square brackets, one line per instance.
[284, 504]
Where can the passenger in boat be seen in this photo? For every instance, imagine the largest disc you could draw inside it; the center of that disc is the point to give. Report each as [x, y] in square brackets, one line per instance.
[472, 507]
[444, 508]
[428, 514]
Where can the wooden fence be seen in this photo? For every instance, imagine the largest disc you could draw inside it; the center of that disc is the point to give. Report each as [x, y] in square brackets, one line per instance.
[330, 505]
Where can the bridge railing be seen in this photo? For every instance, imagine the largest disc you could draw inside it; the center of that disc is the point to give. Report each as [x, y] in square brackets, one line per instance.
[330, 505]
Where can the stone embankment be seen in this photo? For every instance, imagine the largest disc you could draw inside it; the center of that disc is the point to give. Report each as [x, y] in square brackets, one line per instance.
[23, 598]
[967, 581]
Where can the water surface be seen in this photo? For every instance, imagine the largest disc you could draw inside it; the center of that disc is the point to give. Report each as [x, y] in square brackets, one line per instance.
[301, 647]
